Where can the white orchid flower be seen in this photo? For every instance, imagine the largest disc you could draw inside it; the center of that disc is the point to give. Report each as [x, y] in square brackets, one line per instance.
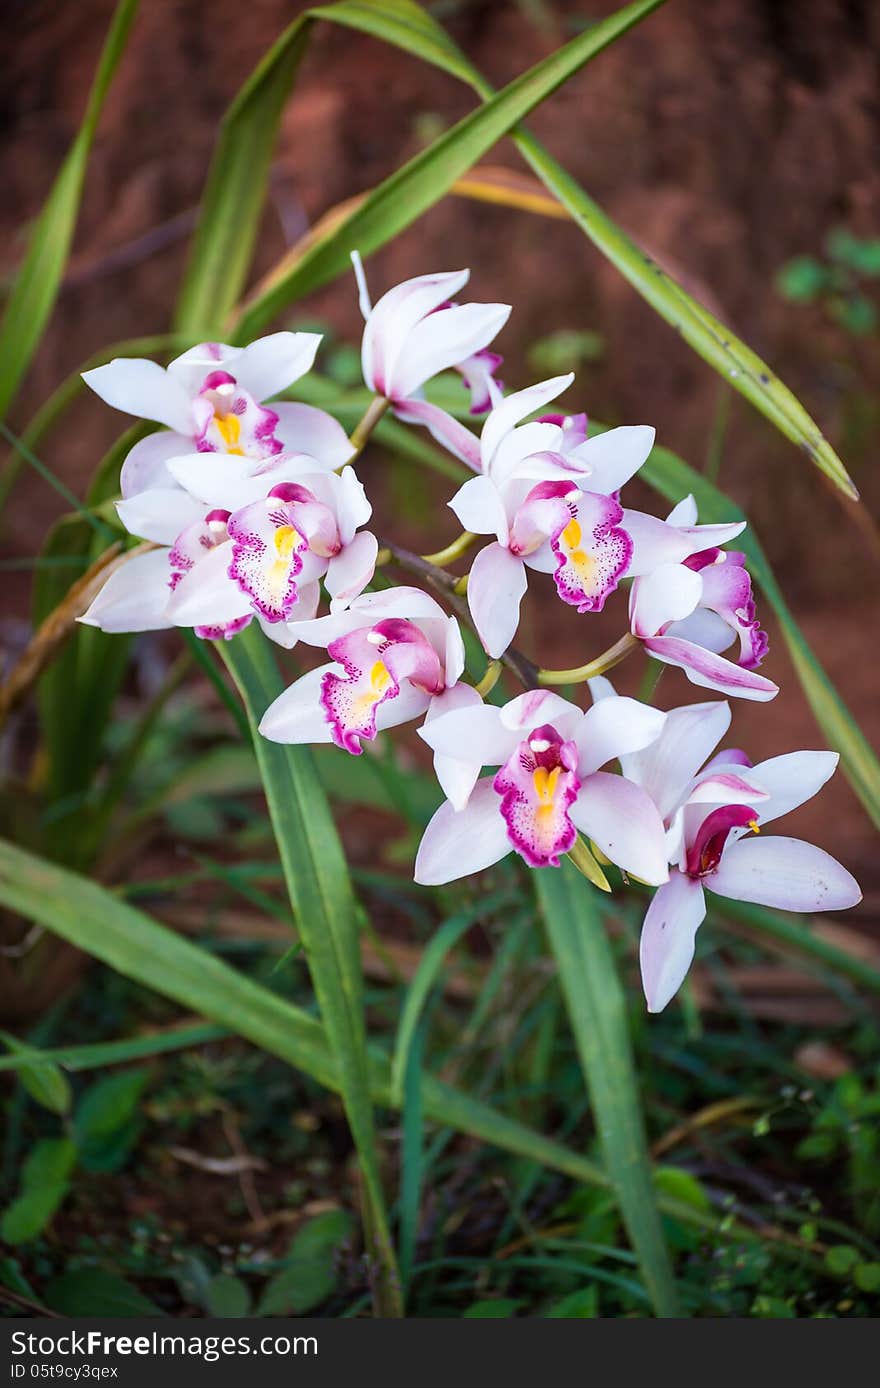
[415, 331]
[545, 491]
[548, 787]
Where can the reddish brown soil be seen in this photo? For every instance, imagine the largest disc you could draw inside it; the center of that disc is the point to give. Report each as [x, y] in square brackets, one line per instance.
[726, 137]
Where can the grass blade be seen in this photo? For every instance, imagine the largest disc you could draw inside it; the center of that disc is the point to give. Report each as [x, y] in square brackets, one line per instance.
[597, 1013]
[100, 1053]
[235, 192]
[324, 907]
[411, 190]
[424, 978]
[36, 286]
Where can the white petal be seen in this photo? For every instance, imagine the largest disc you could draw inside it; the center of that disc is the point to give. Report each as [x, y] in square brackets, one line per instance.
[459, 842]
[207, 596]
[410, 603]
[472, 733]
[392, 320]
[443, 339]
[666, 768]
[145, 389]
[457, 775]
[144, 465]
[539, 706]
[297, 715]
[668, 934]
[441, 426]
[704, 628]
[685, 513]
[496, 586]
[135, 596]
[273, 363]
[789, 780]
[349, 572]
[516, 407]
[612, 458]
[786, 873]
[159, 514]
[479, 507]
[453, 654]
[285, 634]
[667, 594]
[711, 671]
[620, 818]
[353, 508]
[613, 728]
[305, 429]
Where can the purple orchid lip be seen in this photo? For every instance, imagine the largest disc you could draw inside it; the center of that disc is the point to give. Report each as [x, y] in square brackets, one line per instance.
[215, 379]
[537, 785]
[705, 852]
[217, 517]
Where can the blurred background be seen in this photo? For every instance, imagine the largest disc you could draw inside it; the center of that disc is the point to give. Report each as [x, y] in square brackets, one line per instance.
[737, 143]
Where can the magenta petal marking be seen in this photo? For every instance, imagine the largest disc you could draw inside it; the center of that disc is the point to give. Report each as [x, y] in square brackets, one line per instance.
[267, 548]
[727, 590]
[537, 785]
[705, 852]
[193, 543]
[223, 631]
[592, 552]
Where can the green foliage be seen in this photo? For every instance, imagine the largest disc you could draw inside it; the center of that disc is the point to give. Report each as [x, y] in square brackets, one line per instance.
[836, 283]
[44, 1184]
[308, 1274]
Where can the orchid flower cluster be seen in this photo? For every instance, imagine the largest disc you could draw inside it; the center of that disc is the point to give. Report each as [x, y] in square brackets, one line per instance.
[248, 509]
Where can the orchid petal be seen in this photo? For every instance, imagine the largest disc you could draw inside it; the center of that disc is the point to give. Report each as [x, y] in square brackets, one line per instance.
[285, 634]
[442, 427]
[392, 320]
[537, 706]
[785, 873]
[516, 407]
[273, 363]
[496, 585]
[667, 594]
[297, 715]
[459, 842]
[453, 654]
[134, 597]
[623, 821]
[456, 773]
[159, 514]
[306, 429]
[145, 389]
[145, 464]
[206, 595]
[666, 767]
[612, 458]
[668, 936]
[684, 513]
[443, 339]
[472, 733]
[711, 671]
[613, 728]
[349, 572]
[790, 780]
[479, 508]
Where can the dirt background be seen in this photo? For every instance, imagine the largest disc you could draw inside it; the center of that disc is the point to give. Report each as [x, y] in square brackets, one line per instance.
[726, 137]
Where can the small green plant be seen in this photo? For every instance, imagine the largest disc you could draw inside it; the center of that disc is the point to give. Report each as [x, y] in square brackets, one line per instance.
[840, 281]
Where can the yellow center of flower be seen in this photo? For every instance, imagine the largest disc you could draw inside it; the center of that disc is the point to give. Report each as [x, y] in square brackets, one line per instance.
[229, 429]
[286, 541]
[545, 785]
[572, 537]
[379, 682]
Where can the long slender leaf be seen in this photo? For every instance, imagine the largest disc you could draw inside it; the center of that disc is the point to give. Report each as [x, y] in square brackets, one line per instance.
[408, 26]
[597, 1013]
[127, 940]
[324, 907]
[419, 184]
[39, 278]
[424, 978]
[233, 199]
[99, 1053]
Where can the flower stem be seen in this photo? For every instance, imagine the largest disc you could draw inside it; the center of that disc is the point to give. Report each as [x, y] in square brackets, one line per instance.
[613, 656]
[362, 431]
[451, 552]
[490, 679]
